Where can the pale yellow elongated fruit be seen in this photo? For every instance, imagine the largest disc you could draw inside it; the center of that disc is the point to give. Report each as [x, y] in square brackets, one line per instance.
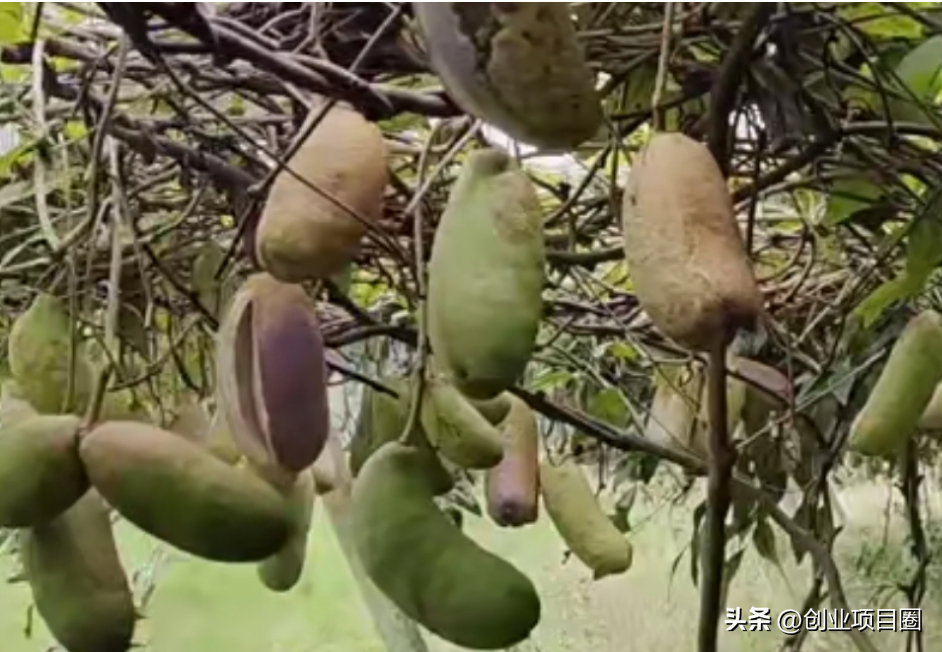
[686, 258]
[581, 523]
[901, 394]
[456, 428]
[305, 234]
[486, 276]
[517, 65]
[271, 375]
[673, 411]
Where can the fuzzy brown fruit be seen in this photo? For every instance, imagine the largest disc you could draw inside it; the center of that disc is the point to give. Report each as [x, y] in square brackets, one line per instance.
[686, 257]
[271, 375]
[304, 234]
[517, 65]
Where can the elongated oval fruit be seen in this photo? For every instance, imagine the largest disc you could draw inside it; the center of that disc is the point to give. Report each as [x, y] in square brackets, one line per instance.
[425, 565]
[281, 571]
[903, 390]
[78, 584]
[271, 375]
[686, 258]
[13, 407]
[581, 523]
[381, 419]
[674, 408]
[516, 65]
[494, 409]
[183, 495]
[40, 346]
[486, 275]
[459, 432]
[304, 234]
[41, 474]
[512, 488]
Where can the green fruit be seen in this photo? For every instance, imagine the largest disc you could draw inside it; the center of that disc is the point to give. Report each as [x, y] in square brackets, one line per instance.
[381, 419]
[486, 275]
[580, 522]
[39, 349]
[281, 571]
[495, 409]
[903, 391]
[41, 474]
[79, 586]
[182, 494]
[424, 564]
[459, 432]
[13, 407]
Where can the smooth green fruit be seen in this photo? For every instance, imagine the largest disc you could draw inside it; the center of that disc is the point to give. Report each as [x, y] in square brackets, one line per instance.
[281, 571]
[182, 494]
[78, 584]
[458, 430]
[494, 409]
[486, 275]
[903, 391]
[39, 349]
[425, 565]
[381, 419]
[580, 522]
[41, 474]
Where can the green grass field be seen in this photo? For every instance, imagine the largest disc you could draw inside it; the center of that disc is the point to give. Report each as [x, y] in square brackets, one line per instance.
[205, 607]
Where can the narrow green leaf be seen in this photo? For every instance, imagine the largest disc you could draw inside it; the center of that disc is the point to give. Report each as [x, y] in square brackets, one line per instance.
[763, 537]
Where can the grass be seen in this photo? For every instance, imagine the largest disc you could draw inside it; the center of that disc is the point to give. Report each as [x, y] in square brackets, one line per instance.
[218, 608]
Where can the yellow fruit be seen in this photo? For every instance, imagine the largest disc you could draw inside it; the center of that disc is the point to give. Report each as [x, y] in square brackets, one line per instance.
[903, 390]
[302, 234]
[180, 493]
[40, 472]
[78, 584]
[424, 564]
[512, 487]
[486, 275]
[518, 66]
[581, 523]
[686, 258]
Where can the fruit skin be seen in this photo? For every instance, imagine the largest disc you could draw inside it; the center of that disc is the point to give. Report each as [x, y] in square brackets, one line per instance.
[381, 419]
[512, 488]
[686, 258]
[424, 564]
[271, 375]
[931, 418]
[78, 584]
[281, 571]
[182, 494]
[673, 411]
[304, 235]
[518, 66]
[41, 474]
[495, 409]
[903, 390]
[39, 350]
[459, 432]
[575, 512]
[486, 275]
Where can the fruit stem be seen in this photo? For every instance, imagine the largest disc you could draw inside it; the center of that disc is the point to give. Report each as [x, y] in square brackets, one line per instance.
[722, 460]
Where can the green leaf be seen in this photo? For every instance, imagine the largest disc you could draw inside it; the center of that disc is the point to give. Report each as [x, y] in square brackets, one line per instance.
[11, 20]
[869, 310]
[763, 537]
[849, 195]
[920, 71]
[550, 380]
[875, 20]
[609, 406]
